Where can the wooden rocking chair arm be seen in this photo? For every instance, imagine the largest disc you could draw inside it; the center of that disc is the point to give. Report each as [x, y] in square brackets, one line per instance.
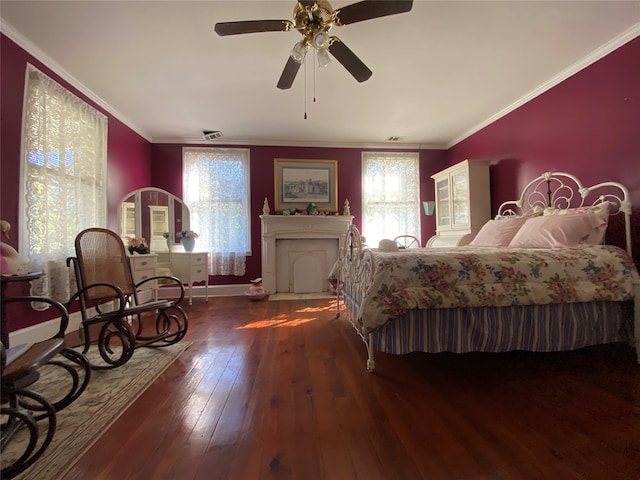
[64, 313]
[37, 355]
[148, 306]
[171, 279]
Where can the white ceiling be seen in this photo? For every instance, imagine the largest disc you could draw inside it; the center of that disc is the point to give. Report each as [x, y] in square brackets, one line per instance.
[440, 72]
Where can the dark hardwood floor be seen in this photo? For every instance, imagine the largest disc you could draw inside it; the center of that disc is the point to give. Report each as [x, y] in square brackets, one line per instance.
[279, 390]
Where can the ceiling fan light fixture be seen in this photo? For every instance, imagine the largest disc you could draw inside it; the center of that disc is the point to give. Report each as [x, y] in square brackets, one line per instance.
[321, 40]
[323, 57]
[299, 51]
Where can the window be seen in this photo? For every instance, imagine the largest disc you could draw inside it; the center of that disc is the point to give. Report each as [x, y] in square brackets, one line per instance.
[390, 195]
[63, 179]
[216, 190]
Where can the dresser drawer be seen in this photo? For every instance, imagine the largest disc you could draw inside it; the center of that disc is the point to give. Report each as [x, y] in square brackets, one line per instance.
[143, 262]
[197, 259]
[140, 275]
[198, 273]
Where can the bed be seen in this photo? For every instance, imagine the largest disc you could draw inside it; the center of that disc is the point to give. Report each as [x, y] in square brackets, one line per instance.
[538, 277]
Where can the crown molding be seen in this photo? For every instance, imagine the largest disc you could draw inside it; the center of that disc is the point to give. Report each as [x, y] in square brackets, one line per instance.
[37, 53]
[226, 141]
[581, 64]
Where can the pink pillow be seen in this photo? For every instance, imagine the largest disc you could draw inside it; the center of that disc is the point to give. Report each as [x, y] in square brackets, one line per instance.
[553, 231]
[498, 233]
[600, 210]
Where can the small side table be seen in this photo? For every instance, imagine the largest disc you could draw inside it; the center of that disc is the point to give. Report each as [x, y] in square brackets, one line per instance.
[6, 280]
[191, 267]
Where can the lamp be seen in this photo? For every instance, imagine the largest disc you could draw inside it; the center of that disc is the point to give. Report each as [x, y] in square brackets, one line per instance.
[429, 207]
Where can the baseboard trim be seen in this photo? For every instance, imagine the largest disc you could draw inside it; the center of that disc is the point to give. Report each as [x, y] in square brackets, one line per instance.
[44, 330]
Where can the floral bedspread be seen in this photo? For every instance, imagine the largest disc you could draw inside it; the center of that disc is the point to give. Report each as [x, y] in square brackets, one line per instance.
[481, 276]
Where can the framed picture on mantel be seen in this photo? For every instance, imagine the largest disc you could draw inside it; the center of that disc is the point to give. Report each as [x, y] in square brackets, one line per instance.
[301, 182]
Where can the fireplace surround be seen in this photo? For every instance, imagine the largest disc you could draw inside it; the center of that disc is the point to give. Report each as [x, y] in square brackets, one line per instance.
[298, 251]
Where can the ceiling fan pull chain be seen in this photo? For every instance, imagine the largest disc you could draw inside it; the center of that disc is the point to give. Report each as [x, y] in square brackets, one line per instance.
[315, 69]
[305, 90]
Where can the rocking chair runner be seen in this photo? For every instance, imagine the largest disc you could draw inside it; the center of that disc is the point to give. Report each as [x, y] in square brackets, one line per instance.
[104, 280]
[22, 405]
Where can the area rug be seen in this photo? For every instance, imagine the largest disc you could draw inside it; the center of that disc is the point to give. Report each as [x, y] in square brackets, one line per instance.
[108, 395]
[300, 296]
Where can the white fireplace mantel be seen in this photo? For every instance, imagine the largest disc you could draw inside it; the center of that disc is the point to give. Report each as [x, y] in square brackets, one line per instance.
[300, 227]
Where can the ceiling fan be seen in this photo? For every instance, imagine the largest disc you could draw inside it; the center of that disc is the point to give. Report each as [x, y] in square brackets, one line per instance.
[314, 19]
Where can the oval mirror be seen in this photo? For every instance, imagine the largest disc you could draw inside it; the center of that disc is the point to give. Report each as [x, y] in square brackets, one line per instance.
[155, 215]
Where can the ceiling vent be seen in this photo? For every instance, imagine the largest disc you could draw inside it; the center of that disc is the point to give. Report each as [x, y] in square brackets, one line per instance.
[211, 134]
[394, 139]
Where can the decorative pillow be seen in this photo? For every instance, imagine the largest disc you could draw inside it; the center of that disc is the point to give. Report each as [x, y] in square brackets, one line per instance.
[498, 233]
[553, 231]
[601, 210]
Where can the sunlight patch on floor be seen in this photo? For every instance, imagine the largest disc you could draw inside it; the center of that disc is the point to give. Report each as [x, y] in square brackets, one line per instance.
[291, 322]
[300, 296]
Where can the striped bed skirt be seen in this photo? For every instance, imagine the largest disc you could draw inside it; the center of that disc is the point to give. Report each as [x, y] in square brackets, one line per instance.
[536, 328]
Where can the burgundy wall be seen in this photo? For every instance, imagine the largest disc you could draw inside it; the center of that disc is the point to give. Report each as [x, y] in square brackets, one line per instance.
[588, 125]
[167, 174]
[127, 152]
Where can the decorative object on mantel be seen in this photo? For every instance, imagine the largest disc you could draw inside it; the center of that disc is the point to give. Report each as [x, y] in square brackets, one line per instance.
[137, 245]
[256, 291]
[347, 210]
[12, 262]
[188, 240]
[265, 207]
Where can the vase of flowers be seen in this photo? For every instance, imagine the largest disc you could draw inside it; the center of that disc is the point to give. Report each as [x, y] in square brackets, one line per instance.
[137, 245]
[188, 239]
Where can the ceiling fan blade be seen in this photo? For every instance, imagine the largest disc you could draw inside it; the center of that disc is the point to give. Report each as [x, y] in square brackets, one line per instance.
[349, 60]
[288, 74]
[252, 26]
[369, 9]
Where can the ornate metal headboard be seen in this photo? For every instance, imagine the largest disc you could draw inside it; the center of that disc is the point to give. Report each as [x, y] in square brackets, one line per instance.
[563, 190]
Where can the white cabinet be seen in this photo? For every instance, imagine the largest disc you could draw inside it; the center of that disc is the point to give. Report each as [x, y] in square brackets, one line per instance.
[191, 267]
[159, 216]
[463, 203]
[143, 267]
[127, 220]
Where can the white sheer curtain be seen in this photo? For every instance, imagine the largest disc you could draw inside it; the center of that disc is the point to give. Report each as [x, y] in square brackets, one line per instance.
[63, 179]
[216, 190]
[390, 195]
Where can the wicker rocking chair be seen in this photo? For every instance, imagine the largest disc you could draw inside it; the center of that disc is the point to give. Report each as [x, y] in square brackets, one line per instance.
[121, 323]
